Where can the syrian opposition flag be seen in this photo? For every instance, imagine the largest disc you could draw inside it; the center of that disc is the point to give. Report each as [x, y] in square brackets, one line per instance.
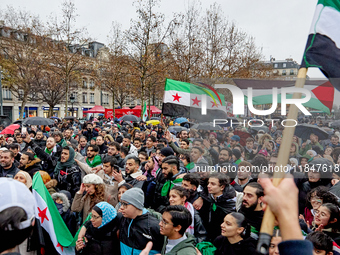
[323, 44]
[322, 92]
[47, 213]
[145, 112]
[182, 99]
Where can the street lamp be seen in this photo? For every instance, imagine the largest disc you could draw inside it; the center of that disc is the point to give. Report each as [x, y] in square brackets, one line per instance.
[72, 100]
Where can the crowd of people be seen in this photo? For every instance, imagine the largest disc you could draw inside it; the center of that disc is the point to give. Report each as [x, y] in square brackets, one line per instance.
[122, 185]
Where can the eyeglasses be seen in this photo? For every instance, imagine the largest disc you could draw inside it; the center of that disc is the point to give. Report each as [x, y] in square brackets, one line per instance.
[95, 217]
[165, 223]
[124, 204]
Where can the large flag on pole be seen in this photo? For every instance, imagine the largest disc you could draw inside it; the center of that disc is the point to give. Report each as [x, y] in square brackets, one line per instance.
[182, 99]
[47, 213]
[323, 44]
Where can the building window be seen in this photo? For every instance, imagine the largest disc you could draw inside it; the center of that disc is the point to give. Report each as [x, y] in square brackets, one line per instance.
[85, 97]
[91, 98]
[291, 71]
[6, 94]
[105, 99]
[84, 84]
[284, 72]
[284, 65]
[91, 84]
[75, 95]
[276, 65]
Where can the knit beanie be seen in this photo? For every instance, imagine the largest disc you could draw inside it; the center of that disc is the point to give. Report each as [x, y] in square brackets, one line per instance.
[167, 151]
[134, 196]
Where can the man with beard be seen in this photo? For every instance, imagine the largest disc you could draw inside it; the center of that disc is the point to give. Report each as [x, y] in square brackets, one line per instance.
[69, 138]
[40, 139]
[127, 143]
[58, 137]
[251, 206]
[29, 164]
[190, 182]
[93, 159]
[171, 173]
[224, 156]
[243, 176]
[131, 173]
[196, 156]
[7, 167]
[82, 146]
[15, 148]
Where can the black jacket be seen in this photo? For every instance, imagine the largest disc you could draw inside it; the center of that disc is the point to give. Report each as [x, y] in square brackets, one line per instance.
[11, 172]
[200, 232]
[135, 234]
[69, 179]
[101, 241]
[244, 247]
[103, 149]
[213, 212]
[40, 142]
[32, 167]
[48, 161]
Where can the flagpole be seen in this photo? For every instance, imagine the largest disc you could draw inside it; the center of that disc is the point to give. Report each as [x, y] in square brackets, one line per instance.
[267, 225]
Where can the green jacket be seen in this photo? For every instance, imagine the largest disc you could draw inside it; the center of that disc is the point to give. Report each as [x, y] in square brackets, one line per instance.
[62, 143]
[186, 247]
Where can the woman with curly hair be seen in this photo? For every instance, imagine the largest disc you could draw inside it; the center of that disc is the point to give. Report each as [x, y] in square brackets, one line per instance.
[94, 187]
[108, 139]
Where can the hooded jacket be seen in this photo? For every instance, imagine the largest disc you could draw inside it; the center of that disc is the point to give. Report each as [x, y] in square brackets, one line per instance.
[32, 167]
[213, 211]
[186, 247]
[11, 172]
[65, 212]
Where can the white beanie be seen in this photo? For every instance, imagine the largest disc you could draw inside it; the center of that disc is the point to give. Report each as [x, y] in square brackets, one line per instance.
[92, 179]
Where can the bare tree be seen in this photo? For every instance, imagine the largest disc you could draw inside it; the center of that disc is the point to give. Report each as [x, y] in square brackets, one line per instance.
[66, 51]
[21, 54]
[146, 46]
[186, 43]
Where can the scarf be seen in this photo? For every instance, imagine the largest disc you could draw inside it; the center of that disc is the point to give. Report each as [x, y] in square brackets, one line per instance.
[97, 160]
[68, 163]
[48, 151]
[190, 166]
[168, 186]
[191, 228]
[108, 212]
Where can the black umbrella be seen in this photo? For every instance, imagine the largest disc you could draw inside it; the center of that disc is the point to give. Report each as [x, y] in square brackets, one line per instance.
[335, 124]
[176, 129]
[38, 121]
[132, 118]
[206, 126]
[187, 123]
[155, 118]
[69, 118]
[305, 130]
[258, 128]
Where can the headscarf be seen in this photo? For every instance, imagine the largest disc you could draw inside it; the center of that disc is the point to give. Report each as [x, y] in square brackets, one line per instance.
[68, 163]
[27, 177]
[106, 211]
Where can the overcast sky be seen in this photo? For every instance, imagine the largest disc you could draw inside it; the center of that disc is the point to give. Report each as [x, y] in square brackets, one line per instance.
[279, 27]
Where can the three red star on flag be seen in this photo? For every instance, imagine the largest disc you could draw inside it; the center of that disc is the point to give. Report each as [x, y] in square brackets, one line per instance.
[176, 97]
[195, 101]
[42, 215]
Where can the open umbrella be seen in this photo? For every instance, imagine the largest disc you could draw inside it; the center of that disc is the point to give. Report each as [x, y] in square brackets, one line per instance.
[155, 118]
[187, 123]
[153, 122]
[176, 129]
[243, 136]
[38, 121]
[335, 124]
[305, 130]
[258, 128]
[206, 126]
[180, 120]
[10, 129]
[69, 118]
[129, 117]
